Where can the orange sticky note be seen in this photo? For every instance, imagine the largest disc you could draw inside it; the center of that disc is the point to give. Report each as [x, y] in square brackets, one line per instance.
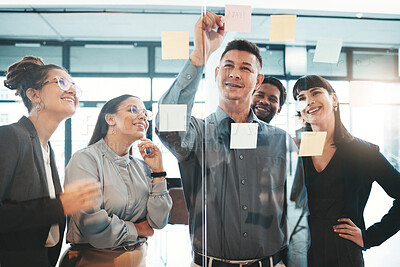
[283, 28]
[237, 18]
[312, 144]
[175, 45]
[361, 93]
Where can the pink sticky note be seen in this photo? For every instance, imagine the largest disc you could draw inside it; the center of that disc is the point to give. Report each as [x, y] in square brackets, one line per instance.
[175, 45]
[283, 28]
[237, 18]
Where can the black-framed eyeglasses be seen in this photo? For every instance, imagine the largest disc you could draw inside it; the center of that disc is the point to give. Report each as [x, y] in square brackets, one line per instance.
[64, 84]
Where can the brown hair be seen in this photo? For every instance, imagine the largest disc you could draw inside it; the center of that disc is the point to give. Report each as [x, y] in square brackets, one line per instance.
[29, 72]
[110, 107]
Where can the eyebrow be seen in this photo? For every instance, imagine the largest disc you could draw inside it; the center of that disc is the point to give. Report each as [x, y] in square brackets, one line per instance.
[315, 88]
[300, 94]
[229, 61]
[311, 90]
[248, 64]
[244, 63]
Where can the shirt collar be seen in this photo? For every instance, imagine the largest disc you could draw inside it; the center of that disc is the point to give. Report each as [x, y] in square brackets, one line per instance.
[29, 126]
[221, 115]
[111, 155]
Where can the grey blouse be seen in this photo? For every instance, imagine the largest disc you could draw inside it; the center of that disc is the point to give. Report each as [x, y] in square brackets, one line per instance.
[128, 197]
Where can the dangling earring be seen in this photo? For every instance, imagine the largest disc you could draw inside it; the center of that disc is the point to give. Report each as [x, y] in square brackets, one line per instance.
[37, 107]
[113, 129]
[335, 108]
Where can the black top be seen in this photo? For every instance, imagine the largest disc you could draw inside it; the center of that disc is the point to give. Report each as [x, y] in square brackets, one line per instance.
[326, 195]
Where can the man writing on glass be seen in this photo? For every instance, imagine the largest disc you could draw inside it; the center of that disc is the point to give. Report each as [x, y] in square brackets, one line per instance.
[246, 220]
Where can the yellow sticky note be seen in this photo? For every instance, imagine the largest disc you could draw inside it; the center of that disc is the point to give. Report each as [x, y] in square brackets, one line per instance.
[283, 28]
[175, 45]
[361, 93]
[244, 135]
[312, 144]
[237, 18]
[328, 51]
[172, 117]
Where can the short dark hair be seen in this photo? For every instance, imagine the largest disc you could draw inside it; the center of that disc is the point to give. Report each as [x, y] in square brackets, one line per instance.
[29, 72]
[110, 107]
[275, 82]
[311, 81]
[243, 45]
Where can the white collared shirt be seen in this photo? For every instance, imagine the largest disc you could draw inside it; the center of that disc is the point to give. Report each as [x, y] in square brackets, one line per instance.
[54, 234]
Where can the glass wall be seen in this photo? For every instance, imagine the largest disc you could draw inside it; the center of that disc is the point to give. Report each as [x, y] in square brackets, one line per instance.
[110, 68]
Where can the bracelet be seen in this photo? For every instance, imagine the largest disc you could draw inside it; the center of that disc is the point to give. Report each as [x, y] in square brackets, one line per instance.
[158, 174]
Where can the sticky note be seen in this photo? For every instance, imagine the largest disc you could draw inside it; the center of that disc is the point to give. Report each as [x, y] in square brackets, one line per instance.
[175, 45]
[312, 144]
[172, 118]
[244, 135]
[328, 51]
[237, 18]
[283, 28]
[361, 93]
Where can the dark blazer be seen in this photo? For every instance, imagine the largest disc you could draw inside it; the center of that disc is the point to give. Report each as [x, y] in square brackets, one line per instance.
[26, 210]
[364, 164]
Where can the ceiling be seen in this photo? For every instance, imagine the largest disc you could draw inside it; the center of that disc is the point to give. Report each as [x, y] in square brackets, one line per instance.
[145, 23]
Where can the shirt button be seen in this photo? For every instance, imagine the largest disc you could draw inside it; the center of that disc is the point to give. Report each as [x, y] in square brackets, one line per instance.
[241, 157]
[245, 234]
[243, 181]
[244, 207]
[189, 76]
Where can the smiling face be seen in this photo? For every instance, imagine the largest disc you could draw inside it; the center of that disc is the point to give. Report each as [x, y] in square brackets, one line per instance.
[53, 100]
[319, 105]
[238, 75]
[265, 102]
[128, 124]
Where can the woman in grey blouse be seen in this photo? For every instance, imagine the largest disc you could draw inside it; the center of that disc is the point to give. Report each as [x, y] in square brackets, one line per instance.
[114, 233]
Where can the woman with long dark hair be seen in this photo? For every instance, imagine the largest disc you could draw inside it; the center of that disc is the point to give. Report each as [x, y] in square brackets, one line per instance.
[134, 198]
[339, 182]
[32, 204]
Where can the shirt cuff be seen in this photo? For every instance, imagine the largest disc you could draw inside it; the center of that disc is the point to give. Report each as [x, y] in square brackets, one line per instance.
[159, 188]
[132, 234]
[189, 74]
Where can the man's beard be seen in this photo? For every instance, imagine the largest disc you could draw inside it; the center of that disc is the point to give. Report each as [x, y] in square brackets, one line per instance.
[269, 117]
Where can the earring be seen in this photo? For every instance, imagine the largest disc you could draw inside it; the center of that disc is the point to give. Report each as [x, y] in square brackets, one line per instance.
[335, 108]
[113, 129]
[37, 107]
